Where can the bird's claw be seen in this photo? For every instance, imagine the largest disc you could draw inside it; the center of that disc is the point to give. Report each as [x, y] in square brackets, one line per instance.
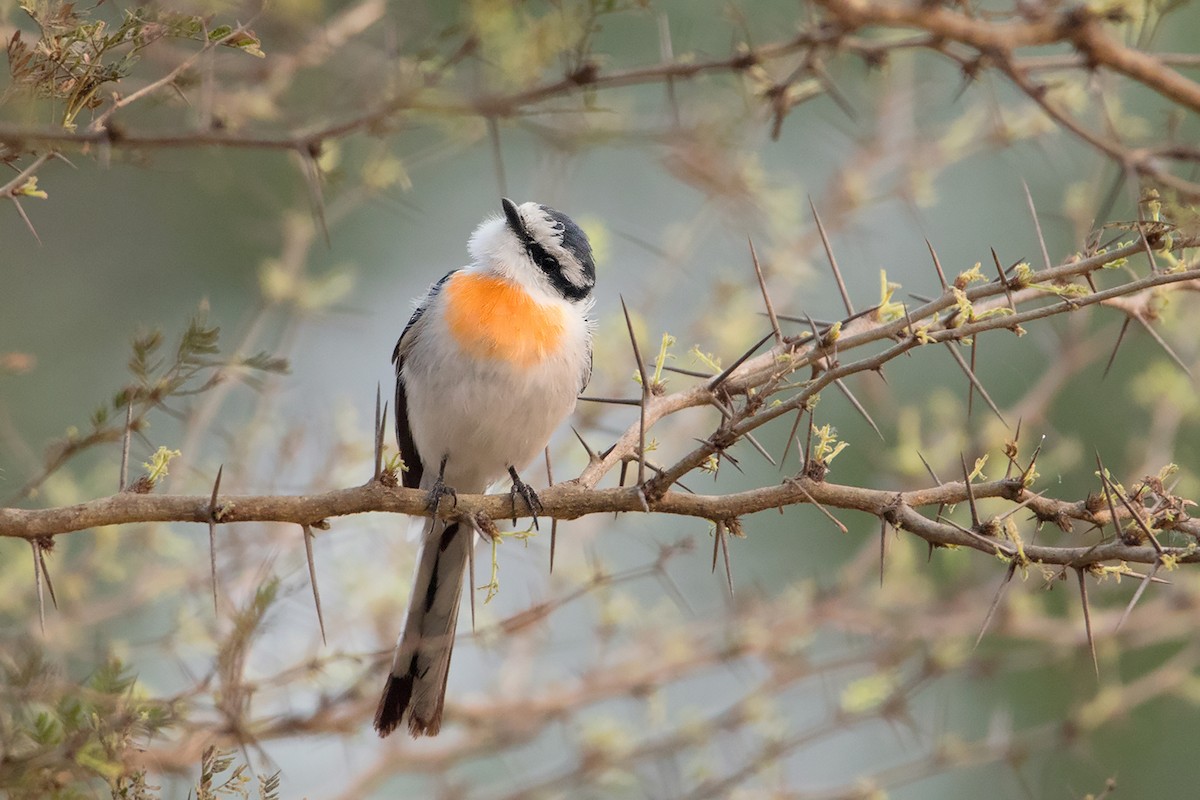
[436, 493]
[526, 493]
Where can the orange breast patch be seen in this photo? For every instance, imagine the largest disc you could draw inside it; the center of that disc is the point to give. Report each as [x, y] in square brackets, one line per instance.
[491, 318]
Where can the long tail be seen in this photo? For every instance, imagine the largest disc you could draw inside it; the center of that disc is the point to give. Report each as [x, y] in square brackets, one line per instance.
[416, 687]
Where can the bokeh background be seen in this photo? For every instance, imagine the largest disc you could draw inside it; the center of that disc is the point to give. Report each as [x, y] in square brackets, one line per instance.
[670, 178]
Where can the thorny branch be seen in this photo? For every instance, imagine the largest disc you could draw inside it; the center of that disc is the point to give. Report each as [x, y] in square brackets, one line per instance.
[571, 501]
[743, 392]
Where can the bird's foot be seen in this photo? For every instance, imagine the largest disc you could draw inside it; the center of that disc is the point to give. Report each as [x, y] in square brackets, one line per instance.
[526, 493]
[440, 490]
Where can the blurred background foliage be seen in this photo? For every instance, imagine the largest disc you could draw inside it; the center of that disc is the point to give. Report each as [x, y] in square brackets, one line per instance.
[312, 165]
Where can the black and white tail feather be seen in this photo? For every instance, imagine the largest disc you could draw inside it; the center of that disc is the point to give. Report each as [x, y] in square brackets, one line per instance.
[421, 665]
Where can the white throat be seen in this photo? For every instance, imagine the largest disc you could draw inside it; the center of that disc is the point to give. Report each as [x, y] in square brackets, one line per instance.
[495, 250]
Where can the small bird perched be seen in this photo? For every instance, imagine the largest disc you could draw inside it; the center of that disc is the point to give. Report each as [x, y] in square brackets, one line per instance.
[488, 366]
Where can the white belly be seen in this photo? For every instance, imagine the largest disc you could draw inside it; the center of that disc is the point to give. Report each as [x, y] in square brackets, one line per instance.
[486, 415]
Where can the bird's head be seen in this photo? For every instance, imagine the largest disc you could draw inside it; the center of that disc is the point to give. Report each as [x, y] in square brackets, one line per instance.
[539, 248]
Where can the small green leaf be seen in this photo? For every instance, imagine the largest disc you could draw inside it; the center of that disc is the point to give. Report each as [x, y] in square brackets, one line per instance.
[156, 467]
[30, 189]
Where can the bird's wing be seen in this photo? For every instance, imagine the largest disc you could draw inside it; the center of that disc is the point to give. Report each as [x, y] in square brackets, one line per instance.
[411, 477]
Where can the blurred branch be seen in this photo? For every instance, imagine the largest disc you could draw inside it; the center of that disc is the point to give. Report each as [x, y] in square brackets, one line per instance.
[1079, 26]
[975, 43]
[995, 43]
[192, 368]
[498, 105]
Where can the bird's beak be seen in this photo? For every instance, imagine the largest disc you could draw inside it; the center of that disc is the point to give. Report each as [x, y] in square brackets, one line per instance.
[514, 218]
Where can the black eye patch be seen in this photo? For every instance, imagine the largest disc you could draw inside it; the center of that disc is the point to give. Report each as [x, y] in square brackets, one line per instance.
[574, 240]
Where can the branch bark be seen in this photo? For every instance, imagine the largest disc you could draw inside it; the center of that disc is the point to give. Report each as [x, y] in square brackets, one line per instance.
[570, 500]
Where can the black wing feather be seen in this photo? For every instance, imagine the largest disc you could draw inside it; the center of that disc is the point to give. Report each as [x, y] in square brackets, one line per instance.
[411, 477]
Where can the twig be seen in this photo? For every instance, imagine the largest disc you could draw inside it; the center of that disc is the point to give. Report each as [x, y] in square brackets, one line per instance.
[312, 577]
[554, 520]
[212, 535]
[991, 612]
[1087, 619]
[833, 265]
[766, 295]
[974, 381]
[378, 433]
[637, 357]
[123, 478]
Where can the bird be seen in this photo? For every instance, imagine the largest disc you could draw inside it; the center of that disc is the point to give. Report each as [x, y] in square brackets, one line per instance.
[490, 363]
